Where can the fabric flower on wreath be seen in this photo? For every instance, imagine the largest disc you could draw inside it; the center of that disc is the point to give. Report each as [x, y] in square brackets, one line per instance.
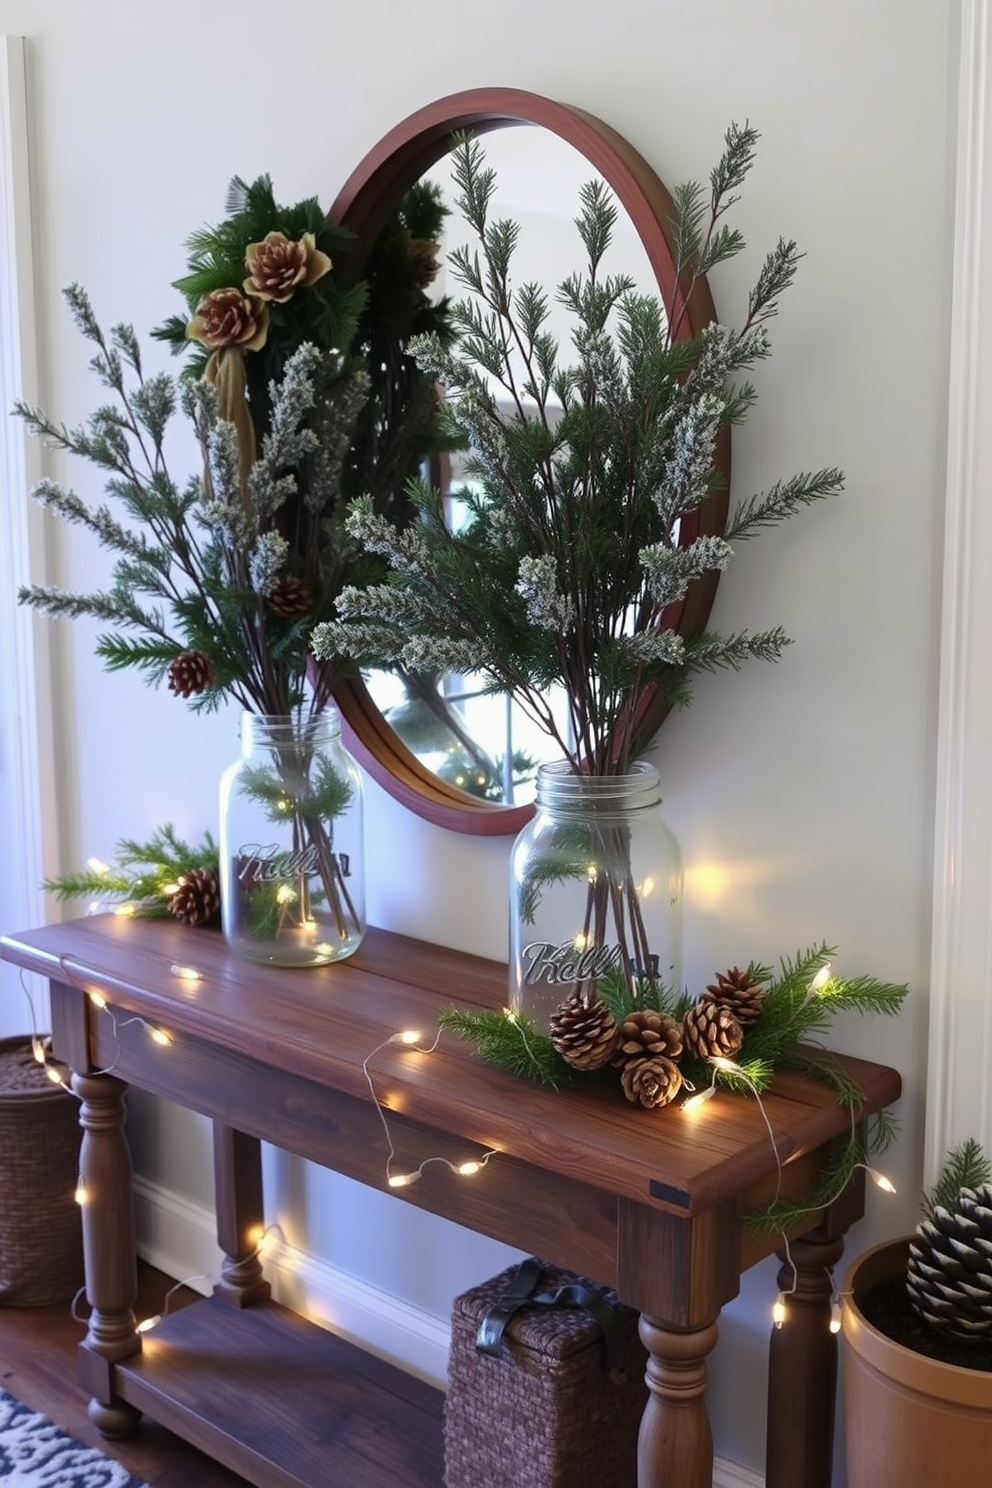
[278, 266]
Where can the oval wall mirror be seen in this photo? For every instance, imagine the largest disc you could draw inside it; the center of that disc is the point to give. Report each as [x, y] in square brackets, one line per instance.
[457, 757]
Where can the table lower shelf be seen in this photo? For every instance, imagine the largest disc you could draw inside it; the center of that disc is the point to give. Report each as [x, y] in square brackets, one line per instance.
[283, 1402]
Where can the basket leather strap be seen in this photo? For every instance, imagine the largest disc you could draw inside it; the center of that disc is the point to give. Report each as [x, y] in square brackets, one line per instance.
[522, 1288]
[523, 1293]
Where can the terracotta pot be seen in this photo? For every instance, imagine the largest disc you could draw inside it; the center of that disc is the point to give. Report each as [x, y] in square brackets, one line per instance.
[911, 1422]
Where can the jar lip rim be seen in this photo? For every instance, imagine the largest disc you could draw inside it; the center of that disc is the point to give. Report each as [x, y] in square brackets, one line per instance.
[327, 714]
[563, 771]
[560, 784]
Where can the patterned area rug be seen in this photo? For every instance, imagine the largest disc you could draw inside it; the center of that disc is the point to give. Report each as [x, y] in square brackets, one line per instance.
[34, 1453]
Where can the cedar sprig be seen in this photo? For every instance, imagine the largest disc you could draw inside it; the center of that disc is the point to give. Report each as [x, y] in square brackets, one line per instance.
[966, 1166]
[510, 1042]
[624, 994]
[796, 1008]
[140, 872]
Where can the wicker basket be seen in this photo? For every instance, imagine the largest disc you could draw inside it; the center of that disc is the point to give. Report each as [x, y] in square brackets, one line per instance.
[41, 1248]
[544, 1413]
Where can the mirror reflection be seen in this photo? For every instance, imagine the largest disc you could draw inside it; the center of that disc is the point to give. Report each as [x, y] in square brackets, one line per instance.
[466, 735]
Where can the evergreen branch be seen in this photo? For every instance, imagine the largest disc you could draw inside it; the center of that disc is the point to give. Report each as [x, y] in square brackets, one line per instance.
[782, 500]
[965, 1166]
[510, 1042]
[846, 1156]
[141, 872]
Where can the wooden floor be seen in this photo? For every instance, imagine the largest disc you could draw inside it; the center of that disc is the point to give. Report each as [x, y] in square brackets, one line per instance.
[38, 1367]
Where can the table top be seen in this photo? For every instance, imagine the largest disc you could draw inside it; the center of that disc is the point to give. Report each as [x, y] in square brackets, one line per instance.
[322, 1024]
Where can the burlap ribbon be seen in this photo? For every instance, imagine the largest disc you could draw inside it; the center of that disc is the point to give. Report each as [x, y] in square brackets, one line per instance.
[225, 370]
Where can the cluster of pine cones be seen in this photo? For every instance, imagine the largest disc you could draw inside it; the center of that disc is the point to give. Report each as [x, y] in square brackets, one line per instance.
[646, 1046]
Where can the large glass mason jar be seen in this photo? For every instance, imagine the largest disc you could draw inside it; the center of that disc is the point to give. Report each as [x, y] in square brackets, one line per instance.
[291, 851]
[595, 890]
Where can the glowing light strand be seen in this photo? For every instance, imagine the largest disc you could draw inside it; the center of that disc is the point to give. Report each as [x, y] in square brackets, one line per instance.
[410, 1039]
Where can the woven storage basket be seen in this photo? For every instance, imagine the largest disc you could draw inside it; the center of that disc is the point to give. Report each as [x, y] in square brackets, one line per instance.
[544, 1413]
[41, 1246]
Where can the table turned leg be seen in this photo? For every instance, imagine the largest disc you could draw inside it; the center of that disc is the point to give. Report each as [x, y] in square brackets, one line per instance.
[108, 1250]
[238, 1191]
[802, 1369]
[675, 1446]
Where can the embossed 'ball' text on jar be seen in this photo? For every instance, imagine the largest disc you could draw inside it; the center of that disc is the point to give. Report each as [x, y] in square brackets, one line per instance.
[291, 845]
[595, 890]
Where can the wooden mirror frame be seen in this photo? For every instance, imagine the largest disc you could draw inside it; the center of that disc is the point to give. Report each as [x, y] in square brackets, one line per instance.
[363, 206]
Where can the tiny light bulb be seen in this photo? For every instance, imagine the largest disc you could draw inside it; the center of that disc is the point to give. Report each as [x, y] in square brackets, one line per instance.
[721, 1063]
[509, 1015]
[185, 973]
[821, 979]
[146, 1324]
[403, 1180]
[885, 1184]
[408, 1036]
[126, 910]
[284, 894]
[97, 999]
[170, 888]
[38, 1049]
[53, 1074]
[80, 1194]
[699, 1099]
[778, 1311]
[835, 1318]
[467, 1169]
[159, 1036]
[97, 865]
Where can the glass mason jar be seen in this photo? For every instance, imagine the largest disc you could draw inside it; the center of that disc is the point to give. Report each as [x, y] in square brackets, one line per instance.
[595, 890]
[291, 852]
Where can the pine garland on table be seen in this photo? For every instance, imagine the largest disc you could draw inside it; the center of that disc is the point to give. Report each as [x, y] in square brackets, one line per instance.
[162, 877]
[660, 1046]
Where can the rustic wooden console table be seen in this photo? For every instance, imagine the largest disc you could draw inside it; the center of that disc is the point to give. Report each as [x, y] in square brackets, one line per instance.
[649, 1202]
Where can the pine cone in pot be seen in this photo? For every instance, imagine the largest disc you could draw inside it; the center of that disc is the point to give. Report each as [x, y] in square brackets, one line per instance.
[190, 674]
[652, 1081]
[734, 989]
[197, 899]
[584, 1032]
[949, 1277]
[711, 1031]
[646, 1033]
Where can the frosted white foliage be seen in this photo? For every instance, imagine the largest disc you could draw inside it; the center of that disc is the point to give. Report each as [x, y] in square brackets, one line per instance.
[546, 605]
[669, 570]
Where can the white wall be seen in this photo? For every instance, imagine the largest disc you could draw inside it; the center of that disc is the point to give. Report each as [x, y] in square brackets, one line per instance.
[802, 793]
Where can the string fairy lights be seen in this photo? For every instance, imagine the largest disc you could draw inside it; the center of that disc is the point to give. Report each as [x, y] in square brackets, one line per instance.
[698, 1100]
[409, 1038]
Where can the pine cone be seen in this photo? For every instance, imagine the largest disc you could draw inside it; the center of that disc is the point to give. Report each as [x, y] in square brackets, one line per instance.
[424, 262]
[711, 1030]
[733, 990]
[644, 1033]
[197, 899]
[191, 673]
[652, 1081]
[584, 1033]
[949, 1277]
[289, 597]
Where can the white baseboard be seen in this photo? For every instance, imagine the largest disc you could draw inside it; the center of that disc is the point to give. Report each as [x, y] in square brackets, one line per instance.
[730, 1475]
[177, 1236]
